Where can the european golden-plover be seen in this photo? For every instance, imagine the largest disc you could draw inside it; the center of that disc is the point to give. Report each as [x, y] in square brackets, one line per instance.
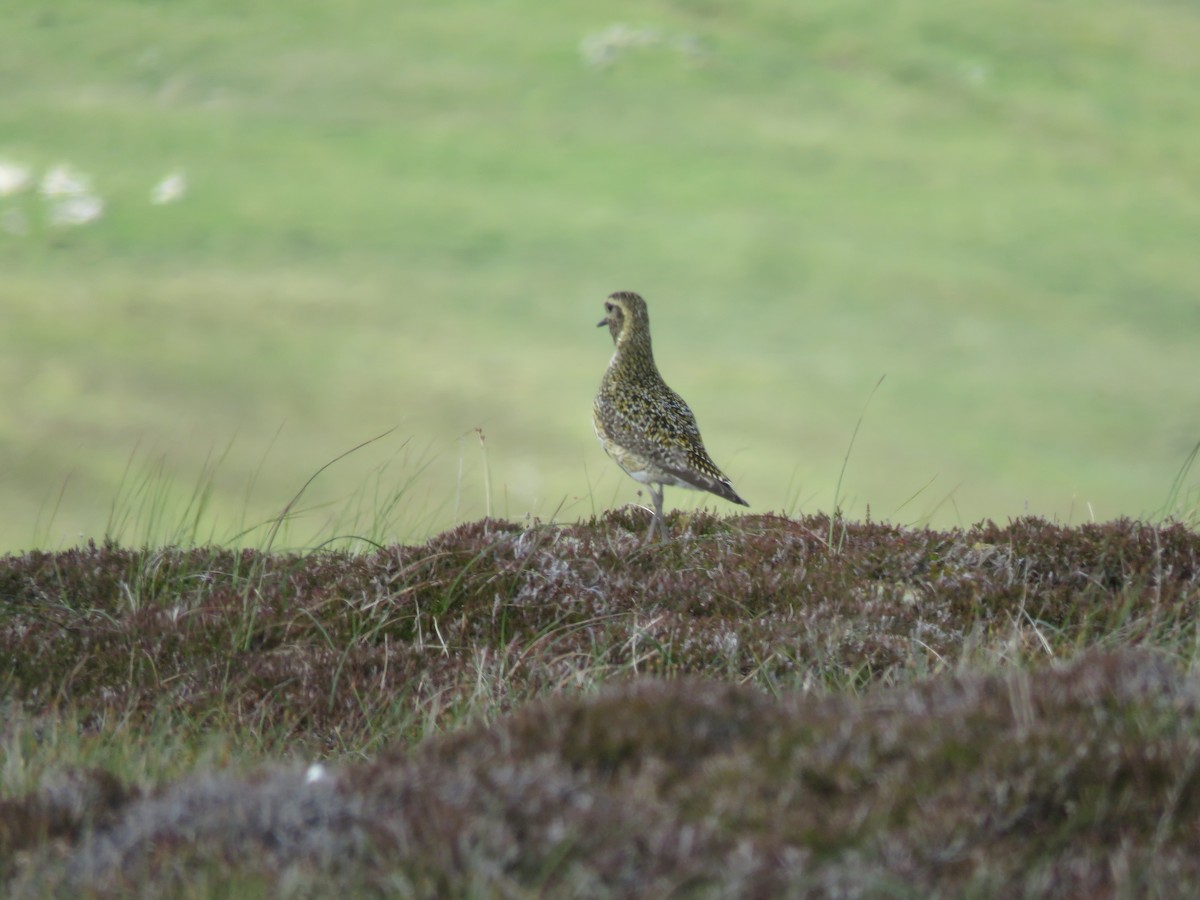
[643, 424]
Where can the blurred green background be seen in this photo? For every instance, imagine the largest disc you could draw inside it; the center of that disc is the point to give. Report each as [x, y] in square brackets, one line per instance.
[407, 216]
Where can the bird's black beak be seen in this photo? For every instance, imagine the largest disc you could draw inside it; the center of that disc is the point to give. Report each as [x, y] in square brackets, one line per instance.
[602, 323]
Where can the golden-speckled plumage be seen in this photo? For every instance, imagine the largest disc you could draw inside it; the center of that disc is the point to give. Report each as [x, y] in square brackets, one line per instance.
[643, 424]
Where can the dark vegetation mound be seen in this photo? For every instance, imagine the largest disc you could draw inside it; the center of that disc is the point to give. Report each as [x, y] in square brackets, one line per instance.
[831, 708]
[1075, 781]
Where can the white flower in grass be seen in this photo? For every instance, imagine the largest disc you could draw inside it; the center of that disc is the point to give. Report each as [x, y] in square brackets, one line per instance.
[14, 178]
[64, 181]
[69, 197]
[316, 772]
[171, 188]
[600, 49]
[76, 210]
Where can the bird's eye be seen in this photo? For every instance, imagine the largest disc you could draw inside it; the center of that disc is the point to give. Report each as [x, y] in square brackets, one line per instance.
[608, 307]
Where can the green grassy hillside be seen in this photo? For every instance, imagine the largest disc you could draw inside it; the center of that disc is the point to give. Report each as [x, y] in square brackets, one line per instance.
[408, 218]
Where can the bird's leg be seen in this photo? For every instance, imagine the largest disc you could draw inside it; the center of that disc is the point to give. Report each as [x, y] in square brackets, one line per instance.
[657, 521]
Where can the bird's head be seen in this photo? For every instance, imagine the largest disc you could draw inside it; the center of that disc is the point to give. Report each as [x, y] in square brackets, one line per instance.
[625, 311]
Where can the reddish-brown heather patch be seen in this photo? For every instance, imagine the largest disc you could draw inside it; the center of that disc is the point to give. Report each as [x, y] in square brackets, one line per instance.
[342, 655]
[308, 642]
[1061, 781]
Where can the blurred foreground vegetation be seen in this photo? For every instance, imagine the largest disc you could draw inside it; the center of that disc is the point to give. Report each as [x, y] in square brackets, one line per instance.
[759, 707]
